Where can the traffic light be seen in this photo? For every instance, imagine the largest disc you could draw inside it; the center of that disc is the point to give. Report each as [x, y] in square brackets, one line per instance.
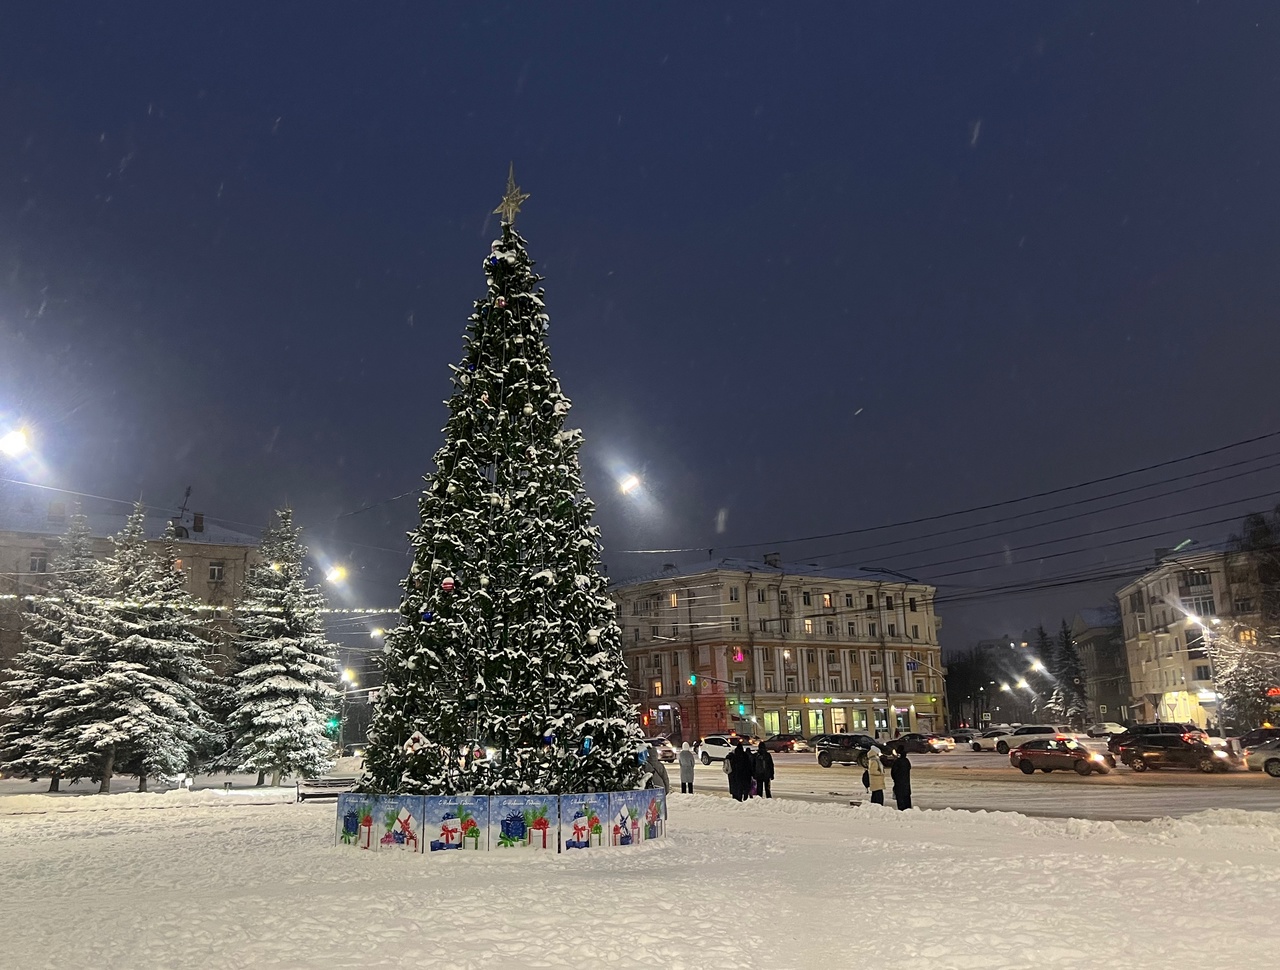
[693, 680]
[332, 725]
[742, 708]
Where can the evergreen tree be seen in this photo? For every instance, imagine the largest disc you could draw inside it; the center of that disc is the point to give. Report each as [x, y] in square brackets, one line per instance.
[507, 639]
[132, 703]
[1069, 670]
[29, 742]
[285, 672]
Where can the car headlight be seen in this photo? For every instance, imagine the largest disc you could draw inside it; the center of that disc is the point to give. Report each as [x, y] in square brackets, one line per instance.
[1219, 753]
[1097, 757]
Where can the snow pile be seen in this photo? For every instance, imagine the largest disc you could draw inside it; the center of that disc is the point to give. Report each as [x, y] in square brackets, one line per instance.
[173, 798]
[755, 885]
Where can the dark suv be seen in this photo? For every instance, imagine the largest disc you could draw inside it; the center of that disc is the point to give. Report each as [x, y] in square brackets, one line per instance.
[1140, 731]
[845, 749]
[1160, 750]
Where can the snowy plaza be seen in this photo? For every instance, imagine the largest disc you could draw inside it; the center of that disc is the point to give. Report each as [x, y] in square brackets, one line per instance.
[248, 879]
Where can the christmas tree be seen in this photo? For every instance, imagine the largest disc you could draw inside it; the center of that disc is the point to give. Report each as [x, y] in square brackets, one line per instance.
[285, 669]
[29, 743]
[132, 700]
[506, 672]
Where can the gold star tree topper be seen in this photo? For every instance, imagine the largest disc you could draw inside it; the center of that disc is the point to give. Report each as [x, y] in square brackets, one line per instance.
[514, 198]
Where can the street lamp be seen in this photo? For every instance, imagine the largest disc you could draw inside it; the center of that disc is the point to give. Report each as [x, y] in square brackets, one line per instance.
[336, 574]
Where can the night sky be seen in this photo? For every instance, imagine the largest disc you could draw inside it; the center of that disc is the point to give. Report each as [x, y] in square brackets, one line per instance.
[811, 268]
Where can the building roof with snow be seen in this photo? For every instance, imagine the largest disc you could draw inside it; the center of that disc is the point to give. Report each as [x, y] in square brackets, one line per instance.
[770, 565]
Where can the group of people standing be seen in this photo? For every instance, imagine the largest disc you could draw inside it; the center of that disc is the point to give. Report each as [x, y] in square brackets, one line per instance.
[751, 773]
[897, 766]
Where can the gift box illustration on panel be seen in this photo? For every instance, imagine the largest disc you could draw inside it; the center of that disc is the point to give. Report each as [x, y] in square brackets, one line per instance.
[653, 820]
[582, 820]
[526, 821]
[458, 822]
[402, 827]
[359, 821]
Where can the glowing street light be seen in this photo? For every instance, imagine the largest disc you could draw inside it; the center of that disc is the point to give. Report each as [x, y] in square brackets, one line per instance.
[377, 633]
[629, 484]
[15, 443]
[1006, 688]
[1023, 684]
[349, 677]
[336, 575]
[1037, 666]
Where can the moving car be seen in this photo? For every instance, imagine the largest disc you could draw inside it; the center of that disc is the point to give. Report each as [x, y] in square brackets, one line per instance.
[1104, 729]
[987, 740]
[965, 736]
[1132, 734]
[666, 750]
[1175, 751]
[916, 743]
[1264, 757]
[1254, 738]
[1058, 756]
[847, 749]
[1036, 732]
[716, 747]
[785, 742]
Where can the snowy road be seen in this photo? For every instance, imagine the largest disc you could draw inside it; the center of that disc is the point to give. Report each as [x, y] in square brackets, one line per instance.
[213, 882]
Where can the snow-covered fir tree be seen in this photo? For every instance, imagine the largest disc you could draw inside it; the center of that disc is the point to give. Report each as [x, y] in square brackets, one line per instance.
[1243, 672]
[133, 700]
[508, 639]
[1069, 670]
[30, 743]
[285, 671]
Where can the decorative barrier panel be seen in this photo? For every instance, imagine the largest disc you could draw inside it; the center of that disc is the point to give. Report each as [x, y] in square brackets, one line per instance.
[530, 823]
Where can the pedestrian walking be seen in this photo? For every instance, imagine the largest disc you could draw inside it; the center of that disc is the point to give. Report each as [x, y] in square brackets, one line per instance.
[900, 771]
[685, 757]
[764, 772]
[875, 775]
[739, 762]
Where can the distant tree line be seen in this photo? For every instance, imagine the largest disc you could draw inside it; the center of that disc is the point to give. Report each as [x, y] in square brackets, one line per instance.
[113, 677]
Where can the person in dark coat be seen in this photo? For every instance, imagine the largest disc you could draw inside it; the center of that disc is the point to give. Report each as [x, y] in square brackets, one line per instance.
[764, 772]
[900, 771]
[739, 761]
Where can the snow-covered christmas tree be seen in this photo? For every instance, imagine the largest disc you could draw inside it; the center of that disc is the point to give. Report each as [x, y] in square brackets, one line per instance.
[286, 671]
[30, 744]
[508, 642]
[132, 698]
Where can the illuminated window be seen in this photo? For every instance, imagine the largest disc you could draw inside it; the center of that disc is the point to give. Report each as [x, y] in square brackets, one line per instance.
[177, 565]
[675, 599]
[1249, 637]
[808, 623]
[656, 687]
[826, 601]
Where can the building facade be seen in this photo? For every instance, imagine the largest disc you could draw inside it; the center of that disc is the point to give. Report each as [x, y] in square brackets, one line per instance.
[1164, 614]
[766, 648]
[214, 560]
[1099, 639]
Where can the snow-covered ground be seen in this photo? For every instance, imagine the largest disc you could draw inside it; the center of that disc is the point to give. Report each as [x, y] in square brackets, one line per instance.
[232, 880]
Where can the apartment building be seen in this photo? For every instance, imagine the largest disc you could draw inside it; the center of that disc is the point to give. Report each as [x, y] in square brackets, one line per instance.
[763, 647]
[213, 559]
[1106, 666]
[1165, 613]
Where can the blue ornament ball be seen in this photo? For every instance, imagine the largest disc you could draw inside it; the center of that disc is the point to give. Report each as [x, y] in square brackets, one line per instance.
[426, 614]
[493, 260]
[549, 740]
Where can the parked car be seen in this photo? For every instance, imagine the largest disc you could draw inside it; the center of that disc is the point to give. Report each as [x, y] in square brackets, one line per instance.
[1254, 738]
[1036, 732]
[1104, 729]
[785, 742]
[847, 749]
[1137, 731]
[987, 740]
[1175, 751]
[965, 736]
[1058, 756]
[666, 750]
[1264, 757]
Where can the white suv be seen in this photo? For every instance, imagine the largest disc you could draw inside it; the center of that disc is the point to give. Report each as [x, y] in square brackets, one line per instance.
[1037, 732]
[715, 747]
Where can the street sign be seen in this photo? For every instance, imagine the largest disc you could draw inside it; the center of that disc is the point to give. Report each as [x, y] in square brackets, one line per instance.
[912, 666]
[986, 715]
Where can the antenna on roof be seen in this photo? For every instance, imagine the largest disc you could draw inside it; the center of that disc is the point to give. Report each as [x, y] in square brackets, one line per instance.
[185, 497]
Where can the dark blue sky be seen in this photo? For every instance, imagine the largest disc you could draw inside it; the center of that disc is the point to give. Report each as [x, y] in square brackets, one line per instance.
[812, 268]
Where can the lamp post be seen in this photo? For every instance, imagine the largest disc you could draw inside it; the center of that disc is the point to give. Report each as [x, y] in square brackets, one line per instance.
[348, 681]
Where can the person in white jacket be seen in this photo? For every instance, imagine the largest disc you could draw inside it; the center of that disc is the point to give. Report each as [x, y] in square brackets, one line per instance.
[686, 768]
[875, 775]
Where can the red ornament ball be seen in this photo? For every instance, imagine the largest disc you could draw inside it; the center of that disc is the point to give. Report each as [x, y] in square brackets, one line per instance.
[500, 302]
[447, 584]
